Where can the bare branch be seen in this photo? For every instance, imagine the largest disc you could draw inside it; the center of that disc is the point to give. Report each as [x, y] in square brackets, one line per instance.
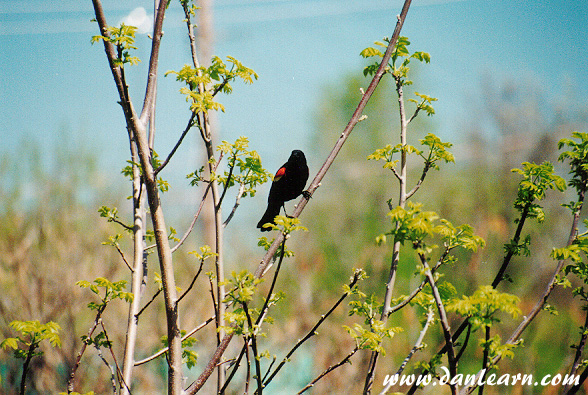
[329, 370]
[179, 142]
[138, 272]
[122, 255]
[444, 322]
[150, 90]
[193, 281]
[109, 49]
[237, 203]
[312, 331]
[191, 227]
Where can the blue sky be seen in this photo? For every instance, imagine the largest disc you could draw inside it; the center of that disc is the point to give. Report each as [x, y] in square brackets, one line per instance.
[54, 79]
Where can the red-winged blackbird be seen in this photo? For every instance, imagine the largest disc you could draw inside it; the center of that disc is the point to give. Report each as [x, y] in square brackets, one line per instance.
[288, 184]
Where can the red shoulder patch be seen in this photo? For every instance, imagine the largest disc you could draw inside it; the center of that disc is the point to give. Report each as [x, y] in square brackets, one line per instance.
[280, 173]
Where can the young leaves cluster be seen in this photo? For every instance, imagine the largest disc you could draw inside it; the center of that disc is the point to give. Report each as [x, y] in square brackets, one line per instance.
[243, 287]
[497, 349]
[123, 38]
[578, 157]
[205, 253]
[398, 68]
[372, 333]
[111, 215]
[537, 180]
[482, 306]
[437, 152]
[286, 224]
[244, 167]
[98, 341]
[578, 250]
[112, 291]
[32, 333]
[576, 253]
[399, 61]
[413, 224]
[191, 7]
[215, 78]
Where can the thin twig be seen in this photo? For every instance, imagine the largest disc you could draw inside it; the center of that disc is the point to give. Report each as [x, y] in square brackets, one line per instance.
[227, 183]
[191, 227]
[269, 368]
[417, 346]
[465, 343]
[253, 340]
[515, 240]
[426, 169]
[329, 370]
[312, 332]
[70, 382]
[579, 350]
[112, 373]
[148, 303]
[216, 309]
[179, 142]
[444, 322]
[485, 357]
[186, 336]
[237, 203]
[109, 344]
[149, 100]
[193, 281]
[235, 368]
[122, 255]
[270, 291]
[248, 374]
[25, 367]
[414, 115]
[419, 343]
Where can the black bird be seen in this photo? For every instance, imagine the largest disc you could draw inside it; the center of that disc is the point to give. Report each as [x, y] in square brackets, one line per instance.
[289, 183]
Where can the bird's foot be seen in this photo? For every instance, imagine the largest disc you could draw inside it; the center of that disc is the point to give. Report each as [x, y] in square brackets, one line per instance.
[307, 195]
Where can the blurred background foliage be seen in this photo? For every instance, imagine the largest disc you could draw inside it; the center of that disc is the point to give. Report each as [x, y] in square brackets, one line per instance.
[51, 236]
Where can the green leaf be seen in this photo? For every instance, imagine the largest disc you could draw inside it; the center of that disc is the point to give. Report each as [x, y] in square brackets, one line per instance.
[482, 306]
[370, 51]
[10, 342]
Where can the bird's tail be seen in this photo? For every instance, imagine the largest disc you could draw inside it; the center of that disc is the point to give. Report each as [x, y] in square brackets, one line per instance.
[268, 216]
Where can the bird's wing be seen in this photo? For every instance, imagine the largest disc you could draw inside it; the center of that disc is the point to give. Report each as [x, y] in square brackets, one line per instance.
[280, 173]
